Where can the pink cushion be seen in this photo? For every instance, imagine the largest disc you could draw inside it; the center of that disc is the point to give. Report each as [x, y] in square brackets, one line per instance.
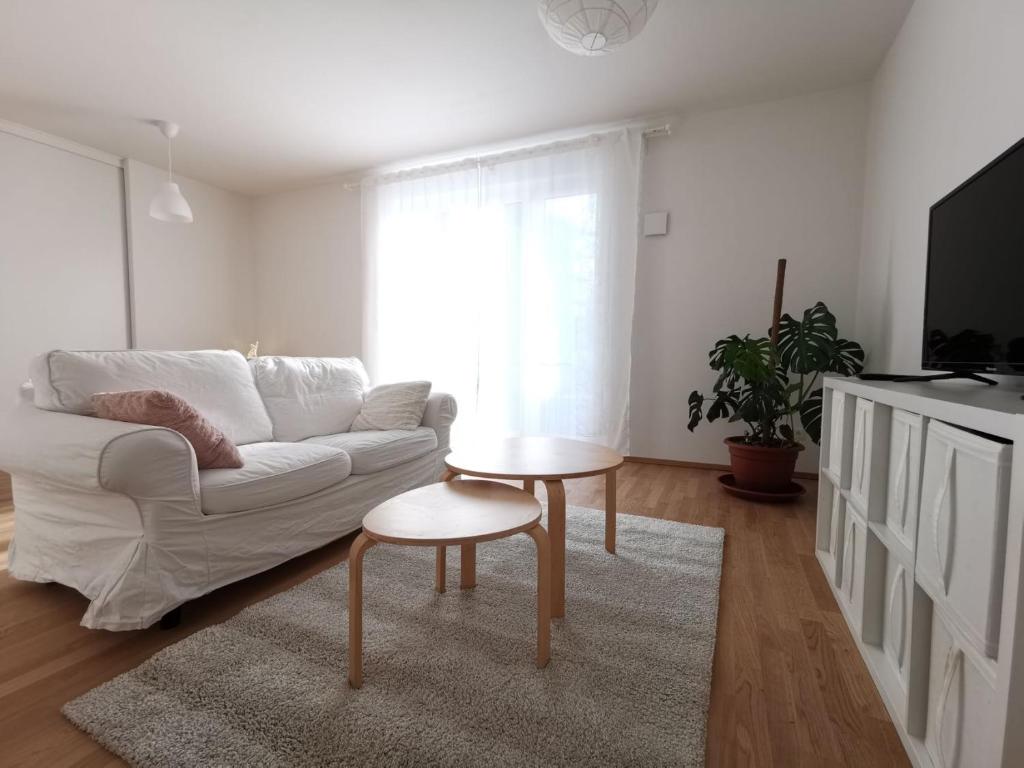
[158, 408]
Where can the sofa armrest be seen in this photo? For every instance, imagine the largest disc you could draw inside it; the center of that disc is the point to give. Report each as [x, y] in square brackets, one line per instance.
[439, 415]
[107, 507]
[146, 463]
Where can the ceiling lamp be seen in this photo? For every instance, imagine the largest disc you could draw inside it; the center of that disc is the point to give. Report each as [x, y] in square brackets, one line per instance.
[594, 27]
[169, 204]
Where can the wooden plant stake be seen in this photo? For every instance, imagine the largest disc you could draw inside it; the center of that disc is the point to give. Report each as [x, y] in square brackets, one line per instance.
[780, 280]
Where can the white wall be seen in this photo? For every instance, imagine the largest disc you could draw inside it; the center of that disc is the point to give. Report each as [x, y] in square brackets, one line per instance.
[947, 100]
[309, 265]
[61, 256]
[743, 187]
[195, 284]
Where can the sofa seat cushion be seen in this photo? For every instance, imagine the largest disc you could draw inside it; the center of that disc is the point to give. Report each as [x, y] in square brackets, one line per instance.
[373, 451]
[273, 473]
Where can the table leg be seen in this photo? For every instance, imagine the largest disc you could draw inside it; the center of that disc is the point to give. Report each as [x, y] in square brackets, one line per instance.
[448, 475]
[528, 486]
[540, 537]
[439, 575]
[355, 608]
[556, 532]
[609, 510]
[467, 571]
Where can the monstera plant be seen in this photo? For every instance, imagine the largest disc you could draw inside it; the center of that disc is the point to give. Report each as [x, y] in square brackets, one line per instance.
[768, 386]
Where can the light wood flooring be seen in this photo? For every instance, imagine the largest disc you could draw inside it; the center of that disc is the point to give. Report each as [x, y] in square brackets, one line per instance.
[789, 687]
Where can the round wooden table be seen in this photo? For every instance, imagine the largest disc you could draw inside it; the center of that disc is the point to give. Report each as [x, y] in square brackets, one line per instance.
[464, 513]
[550, 460]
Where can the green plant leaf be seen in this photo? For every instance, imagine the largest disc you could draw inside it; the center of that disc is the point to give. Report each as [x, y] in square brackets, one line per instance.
[810, 415]
[787, 432]
[751, 359]
[806, 345]
[847, 358]
[696, 403]
[719, 408]
[717, 356]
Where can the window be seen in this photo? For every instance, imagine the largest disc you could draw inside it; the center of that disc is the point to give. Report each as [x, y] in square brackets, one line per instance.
[510, 285]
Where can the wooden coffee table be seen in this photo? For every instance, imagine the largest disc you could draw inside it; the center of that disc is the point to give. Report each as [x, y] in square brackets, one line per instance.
[550, 460]
[464, 513]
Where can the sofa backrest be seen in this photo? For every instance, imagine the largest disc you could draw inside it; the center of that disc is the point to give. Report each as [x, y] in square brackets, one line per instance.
[217, 383]
[310, 396]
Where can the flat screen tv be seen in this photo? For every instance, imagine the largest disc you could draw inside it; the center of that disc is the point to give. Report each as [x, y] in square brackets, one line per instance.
[974, 294]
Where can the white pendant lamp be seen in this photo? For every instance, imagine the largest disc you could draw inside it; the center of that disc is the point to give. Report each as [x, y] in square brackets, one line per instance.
[169, 204]
[594, 27]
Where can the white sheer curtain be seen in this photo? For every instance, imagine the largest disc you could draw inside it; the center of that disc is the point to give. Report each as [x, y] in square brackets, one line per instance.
[509, 282]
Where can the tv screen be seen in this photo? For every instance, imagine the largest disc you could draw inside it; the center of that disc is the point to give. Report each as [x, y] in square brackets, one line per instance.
[974, 298]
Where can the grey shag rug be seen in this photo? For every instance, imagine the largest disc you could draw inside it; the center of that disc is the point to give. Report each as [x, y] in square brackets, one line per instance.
[449, 680]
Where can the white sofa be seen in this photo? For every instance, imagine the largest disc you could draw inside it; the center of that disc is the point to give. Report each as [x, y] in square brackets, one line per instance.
[120, 512]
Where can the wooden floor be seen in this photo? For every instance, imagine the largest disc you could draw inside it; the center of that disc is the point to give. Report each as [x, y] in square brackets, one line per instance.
[789, 686]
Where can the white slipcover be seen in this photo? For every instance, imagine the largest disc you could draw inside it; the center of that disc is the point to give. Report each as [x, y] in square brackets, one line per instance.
[308, 396]
[133, 576]
[217, 383]
[116, 510]
[273, 473]
[374, 450]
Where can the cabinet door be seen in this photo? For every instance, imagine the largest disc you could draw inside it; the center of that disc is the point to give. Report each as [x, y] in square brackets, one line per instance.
[905, 443]
[896, 615]
[869, 459]
[905, 638]
[851, 584]
[860, 469]
[838, 435]
[963, 722]
[961, 543]
[836, 523]
[835, 520]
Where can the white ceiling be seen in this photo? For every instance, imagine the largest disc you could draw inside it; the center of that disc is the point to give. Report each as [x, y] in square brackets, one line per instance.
[272, 93]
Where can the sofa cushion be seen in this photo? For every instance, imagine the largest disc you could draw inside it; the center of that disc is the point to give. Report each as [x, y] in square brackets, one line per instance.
[307, 396]
[273, 473]
[160, 408]
[217, 383]
[393, 406]
[375, 450]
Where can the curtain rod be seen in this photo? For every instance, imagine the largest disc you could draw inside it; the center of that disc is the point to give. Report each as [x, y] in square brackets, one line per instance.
[501, 156]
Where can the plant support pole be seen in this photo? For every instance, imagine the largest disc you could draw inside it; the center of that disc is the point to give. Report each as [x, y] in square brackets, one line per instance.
[780, 280]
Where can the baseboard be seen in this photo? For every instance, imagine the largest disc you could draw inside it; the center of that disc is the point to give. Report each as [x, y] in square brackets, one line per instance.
[704, 465]
[5, 487]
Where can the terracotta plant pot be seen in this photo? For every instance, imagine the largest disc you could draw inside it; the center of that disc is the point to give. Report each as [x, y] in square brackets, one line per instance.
[760, 467]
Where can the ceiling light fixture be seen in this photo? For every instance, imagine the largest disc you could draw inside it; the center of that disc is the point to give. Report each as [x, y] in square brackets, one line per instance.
[594, 27]
[169, 204]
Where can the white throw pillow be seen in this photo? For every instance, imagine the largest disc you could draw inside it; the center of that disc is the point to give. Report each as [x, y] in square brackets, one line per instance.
[217, 383]
[393, 406]
[310, 396]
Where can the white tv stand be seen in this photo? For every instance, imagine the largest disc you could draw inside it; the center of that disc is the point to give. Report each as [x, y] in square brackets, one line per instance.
[920, 530]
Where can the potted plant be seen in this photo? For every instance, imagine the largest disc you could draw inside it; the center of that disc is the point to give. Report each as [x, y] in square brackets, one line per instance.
[767, 383]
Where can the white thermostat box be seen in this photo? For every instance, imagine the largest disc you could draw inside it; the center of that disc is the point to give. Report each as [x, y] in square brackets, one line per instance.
[656, 223]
